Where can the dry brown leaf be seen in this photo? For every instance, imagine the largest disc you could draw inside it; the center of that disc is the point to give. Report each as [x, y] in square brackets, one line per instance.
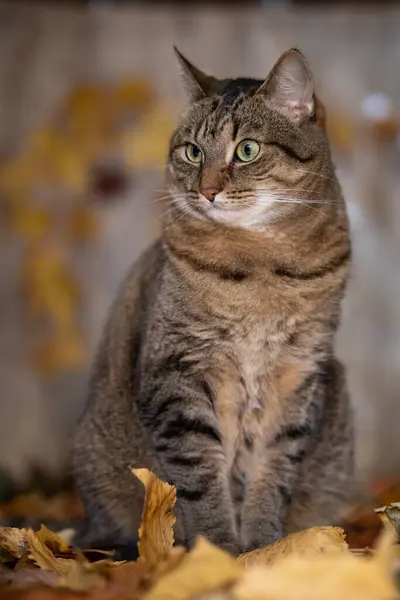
[39, 593]
[390, 513]
[29, 576]
[47, 593]
[323, 576]
[82, 576]
[130, 578]
[43, 557]
[126, 578]
[327, 578]
[13, 540]
[171, 562]
[310, 542]
[53, 541]
[156, 534]
[203, 570]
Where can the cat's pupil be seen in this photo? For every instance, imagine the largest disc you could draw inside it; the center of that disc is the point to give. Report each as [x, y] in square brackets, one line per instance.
[195, 151]
[247, 149]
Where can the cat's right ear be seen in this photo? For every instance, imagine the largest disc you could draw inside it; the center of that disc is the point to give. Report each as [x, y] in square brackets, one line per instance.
[197, 84]
[290, 88]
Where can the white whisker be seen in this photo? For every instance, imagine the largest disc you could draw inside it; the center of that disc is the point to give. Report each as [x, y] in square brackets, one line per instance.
[335, 181]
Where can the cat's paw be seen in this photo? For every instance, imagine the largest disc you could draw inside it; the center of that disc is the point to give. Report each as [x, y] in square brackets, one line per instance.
[261, 542]
[232, 548]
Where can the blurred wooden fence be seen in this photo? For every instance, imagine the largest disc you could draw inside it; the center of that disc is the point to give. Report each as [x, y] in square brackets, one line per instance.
[46, 50]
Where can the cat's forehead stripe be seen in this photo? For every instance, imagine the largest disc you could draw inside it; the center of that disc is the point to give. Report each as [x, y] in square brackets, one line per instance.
[221, 115]
[224, 111]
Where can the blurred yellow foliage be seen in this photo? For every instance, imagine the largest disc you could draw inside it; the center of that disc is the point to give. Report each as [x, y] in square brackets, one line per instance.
[83, 224]
[133, 94]
[17, 176]
[31, 222]
[68, 352]
[51, 288]
[53, 295]
[148, 143]
[341, 132]
[44, 185]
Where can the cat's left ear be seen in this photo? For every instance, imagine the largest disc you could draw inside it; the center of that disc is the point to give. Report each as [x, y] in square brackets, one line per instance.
[198, 85]
[290, 87]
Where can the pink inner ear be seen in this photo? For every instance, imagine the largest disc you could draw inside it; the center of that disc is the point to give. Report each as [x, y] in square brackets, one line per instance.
[290, 86]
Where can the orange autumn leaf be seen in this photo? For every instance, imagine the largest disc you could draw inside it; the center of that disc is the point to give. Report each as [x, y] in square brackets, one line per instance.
[156, 534]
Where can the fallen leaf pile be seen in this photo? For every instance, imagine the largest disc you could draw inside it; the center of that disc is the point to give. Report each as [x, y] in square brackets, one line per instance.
[63, 506]
[315, 564]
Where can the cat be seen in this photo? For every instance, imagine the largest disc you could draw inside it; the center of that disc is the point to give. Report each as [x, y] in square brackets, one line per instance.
[216, 369]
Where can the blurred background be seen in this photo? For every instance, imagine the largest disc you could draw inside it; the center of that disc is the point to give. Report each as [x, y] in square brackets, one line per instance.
[89, 93]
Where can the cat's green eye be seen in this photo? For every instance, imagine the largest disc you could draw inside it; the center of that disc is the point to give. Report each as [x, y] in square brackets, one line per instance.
[247, 150]
[193, 153]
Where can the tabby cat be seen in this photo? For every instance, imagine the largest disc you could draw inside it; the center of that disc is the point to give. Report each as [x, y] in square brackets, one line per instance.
[216, 369]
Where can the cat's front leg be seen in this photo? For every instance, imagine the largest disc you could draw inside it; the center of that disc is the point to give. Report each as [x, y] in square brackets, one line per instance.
[278, 462]
[185, 435]
[270, 492]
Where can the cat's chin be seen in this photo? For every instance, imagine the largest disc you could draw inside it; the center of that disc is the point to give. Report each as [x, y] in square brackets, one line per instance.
[254, 220]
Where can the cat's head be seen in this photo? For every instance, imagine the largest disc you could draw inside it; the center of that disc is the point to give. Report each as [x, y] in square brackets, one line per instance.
[247, 151]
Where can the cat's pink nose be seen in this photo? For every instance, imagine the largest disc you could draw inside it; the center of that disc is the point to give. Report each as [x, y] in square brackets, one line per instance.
[210, 193]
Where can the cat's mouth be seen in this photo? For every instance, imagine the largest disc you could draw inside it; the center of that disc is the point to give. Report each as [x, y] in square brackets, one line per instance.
[249, 214]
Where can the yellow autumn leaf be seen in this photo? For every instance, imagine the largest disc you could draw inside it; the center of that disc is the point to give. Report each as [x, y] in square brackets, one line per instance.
[322, 577]
[310, 542]
[156, 534]
[82, 576]
[25, 542]
[43, 556]
[54, 542]
[203, 570]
